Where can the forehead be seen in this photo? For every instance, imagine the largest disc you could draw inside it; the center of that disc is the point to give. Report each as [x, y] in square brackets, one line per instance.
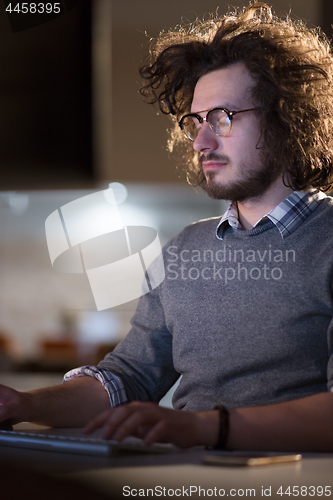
[228, 87]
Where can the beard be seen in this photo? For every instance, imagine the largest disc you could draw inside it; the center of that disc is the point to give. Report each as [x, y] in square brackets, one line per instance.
[252, 184]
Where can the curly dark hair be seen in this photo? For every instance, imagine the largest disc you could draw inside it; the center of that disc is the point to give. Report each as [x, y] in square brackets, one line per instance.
[293, 69]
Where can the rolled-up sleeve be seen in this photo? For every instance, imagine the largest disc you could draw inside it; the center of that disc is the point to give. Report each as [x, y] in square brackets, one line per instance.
[111, 383]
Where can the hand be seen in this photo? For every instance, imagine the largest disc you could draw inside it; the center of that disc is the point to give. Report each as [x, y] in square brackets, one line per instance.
[14, 407]
[153, 423]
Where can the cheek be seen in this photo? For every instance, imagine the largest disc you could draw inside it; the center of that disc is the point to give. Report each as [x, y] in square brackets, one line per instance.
[245, 157]
[252, 137]
[243, 147]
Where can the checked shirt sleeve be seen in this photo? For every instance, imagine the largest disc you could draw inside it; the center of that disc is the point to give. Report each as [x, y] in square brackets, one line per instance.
[111, 383]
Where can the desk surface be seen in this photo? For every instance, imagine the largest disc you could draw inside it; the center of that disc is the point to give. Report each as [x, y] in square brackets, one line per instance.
[183, 474]
[189, 475]
[124, 476]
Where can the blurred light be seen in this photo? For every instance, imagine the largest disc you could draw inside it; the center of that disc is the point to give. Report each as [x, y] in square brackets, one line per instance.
[120, 193]
[132, 214]
[99, 327]
[18, 202]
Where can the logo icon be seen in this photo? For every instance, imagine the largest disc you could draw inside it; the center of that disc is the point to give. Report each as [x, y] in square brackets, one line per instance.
[87, 235]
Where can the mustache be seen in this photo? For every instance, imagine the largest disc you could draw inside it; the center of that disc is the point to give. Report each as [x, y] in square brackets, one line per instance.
[213, 157]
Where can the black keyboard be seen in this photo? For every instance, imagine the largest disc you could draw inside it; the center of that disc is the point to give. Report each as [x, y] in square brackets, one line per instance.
[79, 445]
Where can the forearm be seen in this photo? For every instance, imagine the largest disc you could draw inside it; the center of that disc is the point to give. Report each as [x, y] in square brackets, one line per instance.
[303, 424]
[72, 404]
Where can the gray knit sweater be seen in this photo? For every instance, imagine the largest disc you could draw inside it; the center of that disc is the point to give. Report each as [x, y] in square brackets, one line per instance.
[244, 321]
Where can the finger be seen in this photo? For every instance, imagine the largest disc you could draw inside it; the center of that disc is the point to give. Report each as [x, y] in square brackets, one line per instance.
[179, 431]
[119, 420]
[157, 433]
[5, 411]
[136, 420]
[97, 422]
[116, 420]
[110, 420]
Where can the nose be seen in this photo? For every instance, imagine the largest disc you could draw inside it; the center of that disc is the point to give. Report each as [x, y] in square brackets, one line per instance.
[206, 140]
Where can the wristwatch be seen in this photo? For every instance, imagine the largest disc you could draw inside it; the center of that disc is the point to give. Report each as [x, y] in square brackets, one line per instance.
[223, 427]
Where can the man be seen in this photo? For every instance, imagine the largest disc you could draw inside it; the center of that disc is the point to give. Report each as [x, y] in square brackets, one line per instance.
[244, 314]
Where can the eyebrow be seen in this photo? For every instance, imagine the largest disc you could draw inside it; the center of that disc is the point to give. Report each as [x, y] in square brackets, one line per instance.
[229, 108]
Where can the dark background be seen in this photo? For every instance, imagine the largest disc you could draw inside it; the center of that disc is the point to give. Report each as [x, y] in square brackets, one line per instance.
[45, 102]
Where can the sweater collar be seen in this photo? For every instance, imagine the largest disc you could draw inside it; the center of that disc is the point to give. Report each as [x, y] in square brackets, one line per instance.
[287, 216]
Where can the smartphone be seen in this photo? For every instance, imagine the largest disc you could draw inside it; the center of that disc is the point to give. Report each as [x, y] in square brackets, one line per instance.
[249, 460]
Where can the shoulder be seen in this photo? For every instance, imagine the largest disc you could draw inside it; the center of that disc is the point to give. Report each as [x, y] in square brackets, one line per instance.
[327, 203]
[318, 227]
[324, 212]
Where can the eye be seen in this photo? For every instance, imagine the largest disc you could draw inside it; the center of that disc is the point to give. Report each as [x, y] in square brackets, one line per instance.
[219, 122]
[191, 126]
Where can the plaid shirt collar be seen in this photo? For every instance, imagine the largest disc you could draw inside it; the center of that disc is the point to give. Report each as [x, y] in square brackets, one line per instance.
[287, 216]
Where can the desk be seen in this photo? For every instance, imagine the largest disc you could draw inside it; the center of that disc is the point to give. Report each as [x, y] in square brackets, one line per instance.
[181, 474]
[187, 474]
[177, 473]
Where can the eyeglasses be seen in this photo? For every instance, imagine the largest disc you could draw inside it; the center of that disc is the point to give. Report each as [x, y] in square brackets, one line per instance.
[218, 119]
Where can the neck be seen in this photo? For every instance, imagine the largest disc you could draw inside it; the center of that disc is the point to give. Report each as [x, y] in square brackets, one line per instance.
[252, 210]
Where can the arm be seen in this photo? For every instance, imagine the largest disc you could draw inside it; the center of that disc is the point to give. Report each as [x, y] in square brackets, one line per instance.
[67, 405]
[304, 425]
[79, 400]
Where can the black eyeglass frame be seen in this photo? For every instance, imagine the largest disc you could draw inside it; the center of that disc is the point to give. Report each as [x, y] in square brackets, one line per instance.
[201, 120]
